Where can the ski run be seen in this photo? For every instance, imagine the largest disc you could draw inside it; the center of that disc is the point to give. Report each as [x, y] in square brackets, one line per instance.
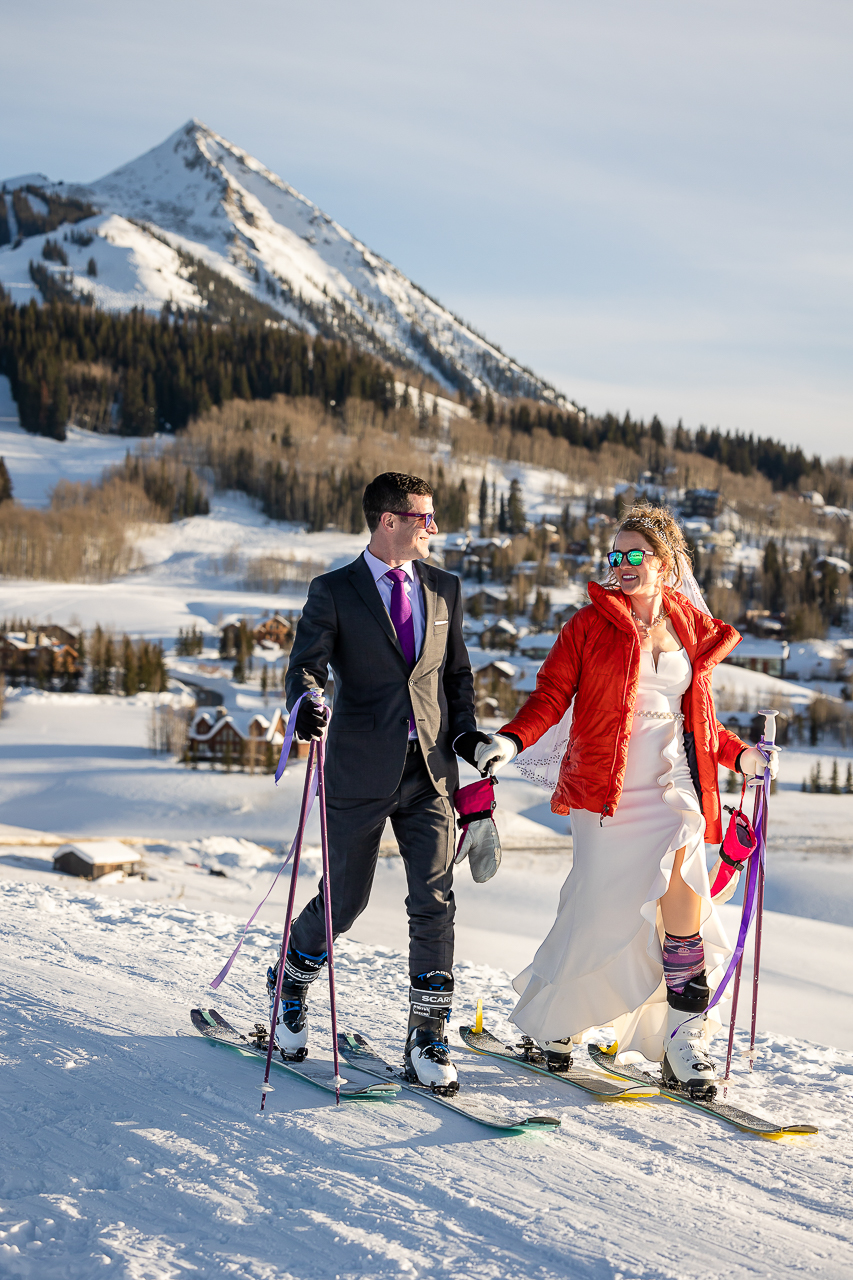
[132, 1147]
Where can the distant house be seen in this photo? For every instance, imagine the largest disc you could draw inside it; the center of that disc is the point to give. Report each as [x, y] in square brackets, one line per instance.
[761, 653]
[494, 689]
[37, 658]
[274, 631]
[238, 740]
[562, 616]
[486, 600]
[455, 550]
[499, 635]
[816, 660]
[704, 504]
[92, 859]
[537, 646]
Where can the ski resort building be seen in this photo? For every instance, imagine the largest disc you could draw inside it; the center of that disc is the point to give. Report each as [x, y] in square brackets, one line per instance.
[238, 740]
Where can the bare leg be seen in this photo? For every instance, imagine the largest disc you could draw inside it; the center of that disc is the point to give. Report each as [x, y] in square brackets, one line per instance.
[680, 906]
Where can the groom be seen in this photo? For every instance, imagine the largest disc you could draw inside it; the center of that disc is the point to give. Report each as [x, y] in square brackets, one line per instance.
[390, 628]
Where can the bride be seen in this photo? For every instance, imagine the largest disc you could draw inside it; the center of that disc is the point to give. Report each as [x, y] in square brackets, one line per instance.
[637, 944]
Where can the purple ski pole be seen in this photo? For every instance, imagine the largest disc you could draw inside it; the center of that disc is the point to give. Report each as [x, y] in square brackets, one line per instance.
[733, 1018]
[285, 937]
[768, 739]
[327, 908]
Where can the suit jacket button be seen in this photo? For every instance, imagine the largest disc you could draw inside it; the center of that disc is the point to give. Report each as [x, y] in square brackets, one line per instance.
[404, 719]
[411, 682]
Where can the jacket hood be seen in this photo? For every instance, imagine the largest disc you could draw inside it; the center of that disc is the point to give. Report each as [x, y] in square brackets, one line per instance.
[707, 640]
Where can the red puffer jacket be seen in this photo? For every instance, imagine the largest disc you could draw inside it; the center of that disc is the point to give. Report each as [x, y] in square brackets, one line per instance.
[597, 658]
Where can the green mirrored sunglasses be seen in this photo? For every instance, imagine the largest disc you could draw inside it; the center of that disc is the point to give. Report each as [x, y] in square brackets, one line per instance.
[615, 558]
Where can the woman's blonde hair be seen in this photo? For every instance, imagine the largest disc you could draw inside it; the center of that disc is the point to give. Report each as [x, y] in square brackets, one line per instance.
[664, 535]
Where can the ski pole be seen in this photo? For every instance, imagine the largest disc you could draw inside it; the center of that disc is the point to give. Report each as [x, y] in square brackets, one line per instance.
[768, 739]
[733, 1017]
[327, 910]
[285, 937]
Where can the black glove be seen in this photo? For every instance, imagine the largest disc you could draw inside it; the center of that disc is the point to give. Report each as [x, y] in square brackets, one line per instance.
[310, 720]
[467, 743]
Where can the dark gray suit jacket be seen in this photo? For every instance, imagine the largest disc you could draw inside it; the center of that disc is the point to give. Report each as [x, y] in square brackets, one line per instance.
[345, 626]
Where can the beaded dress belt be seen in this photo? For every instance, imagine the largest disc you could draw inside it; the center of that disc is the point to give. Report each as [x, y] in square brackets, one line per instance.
[660, 715]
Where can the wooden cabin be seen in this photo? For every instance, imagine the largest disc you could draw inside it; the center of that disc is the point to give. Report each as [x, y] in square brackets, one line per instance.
[91, 859]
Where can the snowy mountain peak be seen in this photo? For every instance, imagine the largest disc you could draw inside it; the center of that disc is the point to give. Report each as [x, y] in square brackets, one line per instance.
[197, 218]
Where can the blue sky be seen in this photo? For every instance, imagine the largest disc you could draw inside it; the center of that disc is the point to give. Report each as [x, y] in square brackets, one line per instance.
[649, 203]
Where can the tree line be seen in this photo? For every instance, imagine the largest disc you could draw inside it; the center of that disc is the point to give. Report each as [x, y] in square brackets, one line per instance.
[170, 369]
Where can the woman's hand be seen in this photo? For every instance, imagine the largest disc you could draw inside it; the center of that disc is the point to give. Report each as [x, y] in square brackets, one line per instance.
[751, 761]
[495, 753]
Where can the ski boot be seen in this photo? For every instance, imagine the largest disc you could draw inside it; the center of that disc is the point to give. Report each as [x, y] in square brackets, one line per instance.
[687, 1064]
[556, 1055]
[426, 1058]
[291, 1029]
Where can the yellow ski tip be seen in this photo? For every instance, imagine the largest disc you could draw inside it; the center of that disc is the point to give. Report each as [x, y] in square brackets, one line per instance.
[478, 1019]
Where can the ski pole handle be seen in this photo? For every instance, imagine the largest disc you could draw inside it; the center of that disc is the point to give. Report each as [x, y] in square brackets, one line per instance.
[769, 734]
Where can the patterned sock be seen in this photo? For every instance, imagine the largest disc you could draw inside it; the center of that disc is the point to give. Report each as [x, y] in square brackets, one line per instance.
[683, 959]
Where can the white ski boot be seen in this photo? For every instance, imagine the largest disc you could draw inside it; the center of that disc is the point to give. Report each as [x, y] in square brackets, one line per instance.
[687, 1063]
[291, 1026]
[427, 1060]
[558, 1054]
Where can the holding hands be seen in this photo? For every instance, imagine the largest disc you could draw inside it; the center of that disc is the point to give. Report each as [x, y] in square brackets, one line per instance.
[493, 754]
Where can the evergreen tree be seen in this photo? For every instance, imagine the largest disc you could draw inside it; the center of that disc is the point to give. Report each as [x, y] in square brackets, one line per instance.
[130, 671]
[848, 782]
[482, 509]
[834, 789]
[515, 516]
[5, 483]
[91, 267]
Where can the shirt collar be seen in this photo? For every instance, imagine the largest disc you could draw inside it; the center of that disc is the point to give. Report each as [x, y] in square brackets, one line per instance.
[379, 568]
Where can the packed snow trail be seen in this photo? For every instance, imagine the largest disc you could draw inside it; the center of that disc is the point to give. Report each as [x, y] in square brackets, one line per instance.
[130, 1151]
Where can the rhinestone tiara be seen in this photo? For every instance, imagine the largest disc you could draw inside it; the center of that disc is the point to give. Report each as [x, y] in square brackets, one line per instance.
[649, 524]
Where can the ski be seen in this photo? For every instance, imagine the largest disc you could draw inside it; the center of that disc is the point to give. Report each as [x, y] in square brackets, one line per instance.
[529, 1056]
[218, 1030]
[359, 1053]
[731, 1115]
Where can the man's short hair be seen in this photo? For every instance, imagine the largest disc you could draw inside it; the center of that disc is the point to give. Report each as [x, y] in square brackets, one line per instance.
[391, 492]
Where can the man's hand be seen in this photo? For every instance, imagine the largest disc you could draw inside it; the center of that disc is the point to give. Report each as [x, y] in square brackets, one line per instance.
[310, 720]
[751, 762]
[467, 743]
[492, 755]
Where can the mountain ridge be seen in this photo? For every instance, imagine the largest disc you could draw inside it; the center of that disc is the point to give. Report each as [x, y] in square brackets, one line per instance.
[197, 199]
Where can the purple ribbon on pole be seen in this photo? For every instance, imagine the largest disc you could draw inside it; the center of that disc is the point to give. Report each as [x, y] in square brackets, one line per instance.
[750, 897]
[283, 758]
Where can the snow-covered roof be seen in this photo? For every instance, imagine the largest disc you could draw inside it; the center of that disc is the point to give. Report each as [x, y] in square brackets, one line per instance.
[503, 625]
[240, 721]
[760, 647]
[506, 668]
[98, 852]
[538, 640]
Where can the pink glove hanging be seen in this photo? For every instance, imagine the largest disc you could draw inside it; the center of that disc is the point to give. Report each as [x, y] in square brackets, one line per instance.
[738, 845]
[479, 842]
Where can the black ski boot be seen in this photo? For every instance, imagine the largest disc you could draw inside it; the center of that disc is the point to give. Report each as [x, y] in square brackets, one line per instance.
[427, 1060]
[291, 1030]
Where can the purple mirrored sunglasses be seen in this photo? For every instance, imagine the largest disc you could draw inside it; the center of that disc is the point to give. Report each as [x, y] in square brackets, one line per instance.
[428, 517]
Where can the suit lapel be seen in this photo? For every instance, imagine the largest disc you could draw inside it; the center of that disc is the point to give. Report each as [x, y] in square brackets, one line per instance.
[428, 594]
[362, 579]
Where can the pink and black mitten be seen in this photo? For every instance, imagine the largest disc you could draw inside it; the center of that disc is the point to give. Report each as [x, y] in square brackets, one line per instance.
[738, 846]
[479, 842]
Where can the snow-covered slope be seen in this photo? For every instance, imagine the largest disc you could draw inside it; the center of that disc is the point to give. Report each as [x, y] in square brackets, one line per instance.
[198, 199]
[131, 1152]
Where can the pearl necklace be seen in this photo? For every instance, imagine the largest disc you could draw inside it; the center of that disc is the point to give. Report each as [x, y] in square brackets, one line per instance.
[646, 628]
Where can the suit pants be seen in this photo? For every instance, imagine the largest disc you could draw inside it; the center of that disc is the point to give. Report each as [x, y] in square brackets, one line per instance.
[423, 824]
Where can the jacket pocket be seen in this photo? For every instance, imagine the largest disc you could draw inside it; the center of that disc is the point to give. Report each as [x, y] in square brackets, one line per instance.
[352, 721]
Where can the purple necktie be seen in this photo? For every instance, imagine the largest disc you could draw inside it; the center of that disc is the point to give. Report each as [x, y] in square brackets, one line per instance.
[401, 614]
